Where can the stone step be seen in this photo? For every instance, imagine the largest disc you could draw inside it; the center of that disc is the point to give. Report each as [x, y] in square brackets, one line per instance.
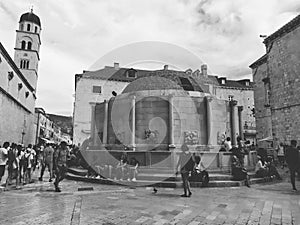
[163, 176]
[160, 183]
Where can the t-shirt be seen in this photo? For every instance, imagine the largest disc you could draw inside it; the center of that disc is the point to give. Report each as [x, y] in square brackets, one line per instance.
[186, 162]
[280, 151]
[48, 154]
[62, 155]
[259, 166]
[227, 145]
[3, 156]
[292, 156]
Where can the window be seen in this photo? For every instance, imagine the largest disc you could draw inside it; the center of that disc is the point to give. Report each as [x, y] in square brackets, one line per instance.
[24, 64]
[35, 30]
[29, 44]
[97, 89]
[28, 27]
[23, 44]
[230, 97]
[267, 91]
[22, 26]
[131, 73]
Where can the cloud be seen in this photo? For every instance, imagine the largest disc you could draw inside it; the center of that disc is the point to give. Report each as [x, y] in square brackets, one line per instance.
[223, 34]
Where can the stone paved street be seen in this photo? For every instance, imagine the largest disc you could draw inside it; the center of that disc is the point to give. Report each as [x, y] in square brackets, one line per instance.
[36, 203]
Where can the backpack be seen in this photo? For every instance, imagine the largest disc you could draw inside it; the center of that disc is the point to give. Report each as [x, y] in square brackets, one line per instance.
[190, 164]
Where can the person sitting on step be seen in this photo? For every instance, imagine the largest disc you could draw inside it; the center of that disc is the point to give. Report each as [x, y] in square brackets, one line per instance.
[238, 171]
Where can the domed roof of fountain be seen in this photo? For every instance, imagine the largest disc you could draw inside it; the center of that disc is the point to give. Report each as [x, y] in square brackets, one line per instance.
[151, 83]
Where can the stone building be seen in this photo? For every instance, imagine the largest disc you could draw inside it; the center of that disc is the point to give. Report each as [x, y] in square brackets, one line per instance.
[277, 85]
[18, 82]
[46, 130]
[97, 86]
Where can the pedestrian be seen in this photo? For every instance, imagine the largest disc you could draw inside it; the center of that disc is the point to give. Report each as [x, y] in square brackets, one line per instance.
[3, 158]
[227, 144]
[133, 166]
[237, 169]
[272, 171]
[280, 155]
[186, 165]
[261, 169]
[13, 165]
[29, 162]
[292, 159]
[47, 161]
[61, 157]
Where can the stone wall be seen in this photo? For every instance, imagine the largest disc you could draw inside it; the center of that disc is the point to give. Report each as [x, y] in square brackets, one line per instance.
[17, 103]
[262, 111]
[83, 97]
[13, 121]
[284, 69]
[244, 97]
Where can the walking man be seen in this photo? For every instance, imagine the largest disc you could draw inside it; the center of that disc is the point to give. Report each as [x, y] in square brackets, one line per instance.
[3, 158]
[292, 159]
[186, 164]
[61, 157]
[47, 161]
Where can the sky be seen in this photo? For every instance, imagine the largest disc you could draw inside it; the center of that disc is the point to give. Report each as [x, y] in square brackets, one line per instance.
[224, 34]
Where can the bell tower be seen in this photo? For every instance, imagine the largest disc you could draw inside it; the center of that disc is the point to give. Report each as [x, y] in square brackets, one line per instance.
[27, 46]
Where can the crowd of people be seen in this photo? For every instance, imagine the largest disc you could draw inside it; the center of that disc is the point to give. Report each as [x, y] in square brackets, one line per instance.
[22, 161]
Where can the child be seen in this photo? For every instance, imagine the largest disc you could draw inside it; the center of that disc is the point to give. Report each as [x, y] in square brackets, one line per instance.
[133, 165]
[261, 169]
[121, 168]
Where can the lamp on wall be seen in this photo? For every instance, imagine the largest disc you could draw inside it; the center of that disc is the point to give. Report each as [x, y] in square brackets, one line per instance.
[20, 85]
[10, 75]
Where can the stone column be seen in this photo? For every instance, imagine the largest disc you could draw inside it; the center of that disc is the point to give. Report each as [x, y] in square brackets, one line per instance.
[171, 123]
[133, 123]
[232, 105]
[240, 109]
[208, 119]
[105, 123]
[93, 124]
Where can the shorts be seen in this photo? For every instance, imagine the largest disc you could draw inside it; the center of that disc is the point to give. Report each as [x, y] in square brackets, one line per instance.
[2, 170]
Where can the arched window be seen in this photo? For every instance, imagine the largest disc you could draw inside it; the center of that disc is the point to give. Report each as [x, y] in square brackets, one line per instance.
[35, 30]
[21, 26]
[23, 44]
[28, 27]
[29, 45]
[27, 64]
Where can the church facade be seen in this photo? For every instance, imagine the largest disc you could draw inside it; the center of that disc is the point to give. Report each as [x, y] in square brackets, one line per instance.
[18, 82]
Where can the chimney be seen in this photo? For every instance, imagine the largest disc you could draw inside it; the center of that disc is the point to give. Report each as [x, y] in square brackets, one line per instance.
[189, 71]
[166, 67]
[116, 66]
[196, 73]
[204, 70]
[222, 80]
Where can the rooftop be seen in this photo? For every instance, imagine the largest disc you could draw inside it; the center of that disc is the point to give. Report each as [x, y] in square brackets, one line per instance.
[290, 26]
[189, 80]
[30, 17]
